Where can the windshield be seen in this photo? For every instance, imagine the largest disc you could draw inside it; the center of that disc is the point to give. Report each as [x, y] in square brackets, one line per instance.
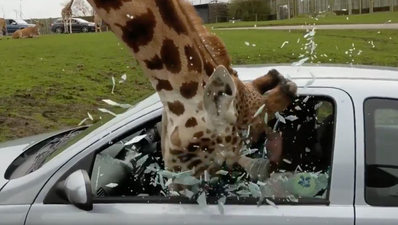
[21, 21]
[78, 137]
[81, 20]
[105, 119]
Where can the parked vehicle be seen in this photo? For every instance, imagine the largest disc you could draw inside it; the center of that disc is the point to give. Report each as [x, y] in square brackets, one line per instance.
[78, 25]
[89, 174]
[16, 24]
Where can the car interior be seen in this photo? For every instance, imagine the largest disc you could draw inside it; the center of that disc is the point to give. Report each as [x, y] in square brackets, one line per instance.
[129, 167]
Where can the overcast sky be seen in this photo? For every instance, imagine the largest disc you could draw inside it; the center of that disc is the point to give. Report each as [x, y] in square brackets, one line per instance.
[41, 8]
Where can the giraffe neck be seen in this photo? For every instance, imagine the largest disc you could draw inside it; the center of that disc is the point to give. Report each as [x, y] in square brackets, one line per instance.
[69, 5]
[67, 10]
[168, 40]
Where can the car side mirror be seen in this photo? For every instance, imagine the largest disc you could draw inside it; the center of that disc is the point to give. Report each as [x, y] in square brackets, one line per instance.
[13, 23]
[76, 188]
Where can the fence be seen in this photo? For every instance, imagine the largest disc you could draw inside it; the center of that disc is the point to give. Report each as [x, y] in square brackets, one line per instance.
[298, 7]
[284, 9]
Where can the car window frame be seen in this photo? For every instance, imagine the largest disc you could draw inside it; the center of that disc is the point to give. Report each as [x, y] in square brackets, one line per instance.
[339, 192]
[184, 200]
[370, 105]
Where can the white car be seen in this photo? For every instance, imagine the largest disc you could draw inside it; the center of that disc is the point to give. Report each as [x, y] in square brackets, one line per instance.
[92, 175]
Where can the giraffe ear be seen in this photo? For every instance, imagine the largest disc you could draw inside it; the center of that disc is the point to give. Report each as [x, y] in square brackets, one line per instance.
[219, 93]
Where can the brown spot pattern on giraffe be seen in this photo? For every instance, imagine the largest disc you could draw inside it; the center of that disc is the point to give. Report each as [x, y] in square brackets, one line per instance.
[176, 107]
[193, 59]
[170, 16]
[176, 152]
[177, 168]
[186, 157]
[170, 56]
[209, 68]
[145, 23]
[201, 170]
[191, 122]
[189, 89]
[109, 4]
[198, 134]
[194, 163]
[155, 63]
[163, 85]
[228, 138]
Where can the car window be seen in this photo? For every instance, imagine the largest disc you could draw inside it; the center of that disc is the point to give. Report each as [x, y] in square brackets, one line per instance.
[133, 166]
[381, 141]
[81, 20]
[21, 22]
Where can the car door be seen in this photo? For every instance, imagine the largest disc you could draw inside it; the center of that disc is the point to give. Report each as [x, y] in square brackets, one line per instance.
[377, 160]
[335, 207]
[76, 27]
[12, 26]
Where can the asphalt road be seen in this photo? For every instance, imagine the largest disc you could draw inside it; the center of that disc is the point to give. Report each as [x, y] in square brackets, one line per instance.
[388, 26]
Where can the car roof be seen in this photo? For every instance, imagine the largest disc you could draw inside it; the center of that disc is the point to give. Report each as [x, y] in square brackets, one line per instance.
[72, 18]
[320, 71]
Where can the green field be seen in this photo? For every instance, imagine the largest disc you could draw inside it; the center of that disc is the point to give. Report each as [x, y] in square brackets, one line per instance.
[52, 82]
[374, 18]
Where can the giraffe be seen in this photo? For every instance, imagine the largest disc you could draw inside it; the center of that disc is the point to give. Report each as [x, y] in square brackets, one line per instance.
[66, 14]
[207, 107]
[3, 28]
[98, 22]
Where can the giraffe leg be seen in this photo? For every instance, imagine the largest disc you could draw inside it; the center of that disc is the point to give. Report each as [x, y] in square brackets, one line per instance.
[65, 26]
[70, 25]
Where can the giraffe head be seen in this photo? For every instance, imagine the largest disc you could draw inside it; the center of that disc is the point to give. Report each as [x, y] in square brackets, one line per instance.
[229, 115]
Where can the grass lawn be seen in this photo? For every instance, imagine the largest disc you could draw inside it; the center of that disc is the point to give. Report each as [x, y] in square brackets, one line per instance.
[373, 18]
[52, 82]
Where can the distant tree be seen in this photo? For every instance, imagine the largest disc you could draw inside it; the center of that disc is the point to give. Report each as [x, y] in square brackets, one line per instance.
[80, 7]
[248, 9]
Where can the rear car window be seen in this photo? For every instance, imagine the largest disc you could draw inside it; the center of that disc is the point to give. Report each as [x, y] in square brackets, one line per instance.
[381, 143]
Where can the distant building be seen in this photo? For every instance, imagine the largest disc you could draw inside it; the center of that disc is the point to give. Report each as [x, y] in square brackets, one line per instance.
[212, 13]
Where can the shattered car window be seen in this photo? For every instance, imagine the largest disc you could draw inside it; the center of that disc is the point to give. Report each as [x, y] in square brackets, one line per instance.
[134, 165]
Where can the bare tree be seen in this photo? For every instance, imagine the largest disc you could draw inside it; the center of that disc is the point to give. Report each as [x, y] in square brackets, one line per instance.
[80, 7]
